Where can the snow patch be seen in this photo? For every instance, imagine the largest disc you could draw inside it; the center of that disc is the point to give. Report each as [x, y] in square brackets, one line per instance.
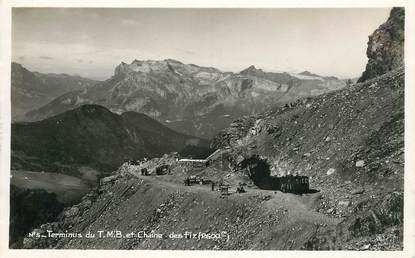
[305, 77]
[254, 94]
[66, 101]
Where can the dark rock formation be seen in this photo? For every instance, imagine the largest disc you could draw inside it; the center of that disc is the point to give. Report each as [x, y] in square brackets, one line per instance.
[386, 46]
[30, 208]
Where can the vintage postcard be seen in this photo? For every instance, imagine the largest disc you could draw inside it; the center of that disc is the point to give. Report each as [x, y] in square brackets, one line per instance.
[207, 127]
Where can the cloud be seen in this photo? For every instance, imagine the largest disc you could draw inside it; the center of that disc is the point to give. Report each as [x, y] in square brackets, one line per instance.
[99, 61]
[80, 60]
[46, 57]
[185, 51]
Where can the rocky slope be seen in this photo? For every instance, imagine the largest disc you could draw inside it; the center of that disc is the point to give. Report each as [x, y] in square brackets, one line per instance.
[92, 136]
[30, 90]
[188, 98]
[386, 46]
[129, 204]
[351, 145]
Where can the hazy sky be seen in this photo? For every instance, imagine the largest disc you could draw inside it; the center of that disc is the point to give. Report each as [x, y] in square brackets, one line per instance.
[91, 42]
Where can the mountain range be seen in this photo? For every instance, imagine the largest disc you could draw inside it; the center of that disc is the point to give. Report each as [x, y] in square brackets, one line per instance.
[190, 99]
[31, 90]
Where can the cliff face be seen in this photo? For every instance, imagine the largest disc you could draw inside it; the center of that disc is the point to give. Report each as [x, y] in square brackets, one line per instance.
[386, 46]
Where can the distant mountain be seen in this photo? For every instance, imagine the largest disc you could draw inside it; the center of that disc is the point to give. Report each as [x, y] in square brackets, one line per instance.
[92, 136]
[188, 98]
[31, 90]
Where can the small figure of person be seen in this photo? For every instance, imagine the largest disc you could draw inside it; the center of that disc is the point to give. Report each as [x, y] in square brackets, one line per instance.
[240, 189]
[213, 186]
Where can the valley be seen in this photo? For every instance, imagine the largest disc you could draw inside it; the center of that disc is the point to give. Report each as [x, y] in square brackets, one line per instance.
[68, 189]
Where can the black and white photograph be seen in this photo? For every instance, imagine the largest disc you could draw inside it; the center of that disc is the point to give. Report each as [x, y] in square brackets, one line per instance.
[212, 128]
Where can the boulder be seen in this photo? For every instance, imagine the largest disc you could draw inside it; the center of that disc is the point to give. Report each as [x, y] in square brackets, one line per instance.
[108, 179]
[330, 171]
[360, 163]
[72, 212]
[358, 191]
[344, 203]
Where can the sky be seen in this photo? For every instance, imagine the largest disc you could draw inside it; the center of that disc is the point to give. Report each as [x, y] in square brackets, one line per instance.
[91, 42]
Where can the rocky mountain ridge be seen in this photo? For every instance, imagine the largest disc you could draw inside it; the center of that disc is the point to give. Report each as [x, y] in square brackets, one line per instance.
[188, 98]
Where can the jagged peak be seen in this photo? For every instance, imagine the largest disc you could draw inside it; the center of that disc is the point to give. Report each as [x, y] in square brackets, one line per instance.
[122, 68]
[251, 69]
[170, 60]
[306, 73]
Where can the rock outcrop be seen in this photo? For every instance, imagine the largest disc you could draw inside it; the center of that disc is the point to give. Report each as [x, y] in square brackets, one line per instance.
[386, 46]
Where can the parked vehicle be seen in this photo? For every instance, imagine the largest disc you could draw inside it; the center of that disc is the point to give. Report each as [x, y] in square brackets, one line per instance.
[163, 169]
[196, 180]
[293, 184]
